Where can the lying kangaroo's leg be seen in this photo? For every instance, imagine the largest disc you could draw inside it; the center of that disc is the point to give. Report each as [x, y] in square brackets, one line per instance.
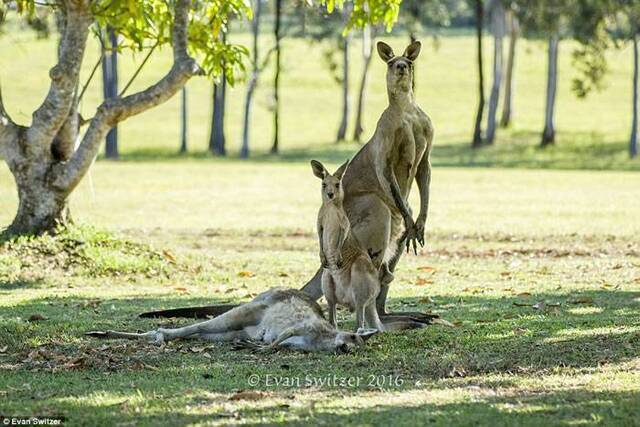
[313, 288]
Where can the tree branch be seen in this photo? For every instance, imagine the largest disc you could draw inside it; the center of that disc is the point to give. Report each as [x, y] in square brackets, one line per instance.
[8, 135]
[114, 110]
[53, 112]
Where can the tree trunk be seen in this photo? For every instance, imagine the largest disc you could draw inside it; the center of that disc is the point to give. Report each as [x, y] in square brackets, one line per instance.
[342, 129]
[217, 140]
[183, 121]
[276, 81]
[549, 132]
[477, 132]
[44, 182]
[633, 140]
[40, 207]
[367, 47]
[110, 88]
[253, 83]
[507, 106]
[497, 26]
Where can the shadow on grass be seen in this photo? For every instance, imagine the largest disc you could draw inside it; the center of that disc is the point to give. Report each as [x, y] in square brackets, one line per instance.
[517, 149]
[495, 337]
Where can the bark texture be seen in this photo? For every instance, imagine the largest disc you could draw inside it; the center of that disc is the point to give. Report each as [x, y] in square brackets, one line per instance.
[276, 81]
[477, 130]
[367, 47]
[253, 82]
[549, 132]
[633, 140]
[514, 33]
[498, 29]
[45, 180]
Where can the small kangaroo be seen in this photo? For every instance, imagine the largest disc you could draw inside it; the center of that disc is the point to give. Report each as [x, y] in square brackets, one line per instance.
[349, 276]
[277, 317]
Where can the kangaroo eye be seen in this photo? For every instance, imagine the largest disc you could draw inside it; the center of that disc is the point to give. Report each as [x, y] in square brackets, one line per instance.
[324, 185]
[338, 185]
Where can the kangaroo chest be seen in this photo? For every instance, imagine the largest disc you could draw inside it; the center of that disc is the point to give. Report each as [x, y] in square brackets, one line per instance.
[410, 144]
[335, 228]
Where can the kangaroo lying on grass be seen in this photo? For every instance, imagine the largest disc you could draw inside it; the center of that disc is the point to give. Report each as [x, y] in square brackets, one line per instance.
[349, 277]
[277, 317]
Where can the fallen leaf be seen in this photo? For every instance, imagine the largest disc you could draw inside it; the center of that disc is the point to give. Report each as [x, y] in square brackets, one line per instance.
[182, 290]
[505, 273]
[197, 349]
[523, 294]
[37, 317]
[427, 269]
[457, 323]
[421, 281]
[439, 321]
[283, 274]
[520, 331]
[169, 256]
[245, 274]
[426, 300]
[248, 395]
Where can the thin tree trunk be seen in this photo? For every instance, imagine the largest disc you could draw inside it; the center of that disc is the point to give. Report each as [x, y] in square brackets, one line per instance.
[183, 128]
[217, 140]
[367, 47]
[477, 131]
[276, 81]
[549, 132]
[110, 87]
[342, 129]
[497, 24]
[633, 140]
[253, 83]
[507, 106]
[217, 143]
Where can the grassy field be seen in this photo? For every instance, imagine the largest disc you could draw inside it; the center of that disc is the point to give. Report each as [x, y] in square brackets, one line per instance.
[538, 269]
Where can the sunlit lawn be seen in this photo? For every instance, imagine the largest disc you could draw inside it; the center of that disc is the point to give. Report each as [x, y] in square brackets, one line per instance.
[539, 270]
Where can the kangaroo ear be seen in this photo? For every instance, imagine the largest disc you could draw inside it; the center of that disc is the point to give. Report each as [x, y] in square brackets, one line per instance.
[342, 169]
[385, 51]
[365, 334]
[318, 169]
[412, 51]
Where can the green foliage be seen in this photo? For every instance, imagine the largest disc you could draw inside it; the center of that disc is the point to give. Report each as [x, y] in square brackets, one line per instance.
[374, 12]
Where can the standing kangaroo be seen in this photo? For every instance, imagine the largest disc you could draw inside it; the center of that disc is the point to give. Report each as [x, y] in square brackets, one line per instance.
[378, 181]
[379, 178]
[349, 276]
[277, 317]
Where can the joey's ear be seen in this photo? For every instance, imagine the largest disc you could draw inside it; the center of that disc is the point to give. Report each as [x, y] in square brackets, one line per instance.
[342, 169]
[385, 51]
[412, 51]
[318, 169]
[365, 334]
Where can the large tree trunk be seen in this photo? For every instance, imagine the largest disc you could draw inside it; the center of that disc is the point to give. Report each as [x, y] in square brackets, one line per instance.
[549, 132]
[253, 82]
[44, 182]
[498, 29]
[507, 106]
[342, 129]
[276, 81]
[183, 121]
[477, 131]
[367, 47]
[633, 140]
[110, 88]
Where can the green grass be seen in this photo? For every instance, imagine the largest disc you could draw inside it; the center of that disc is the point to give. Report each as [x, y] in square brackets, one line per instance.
[496, 237]
[502, 235]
